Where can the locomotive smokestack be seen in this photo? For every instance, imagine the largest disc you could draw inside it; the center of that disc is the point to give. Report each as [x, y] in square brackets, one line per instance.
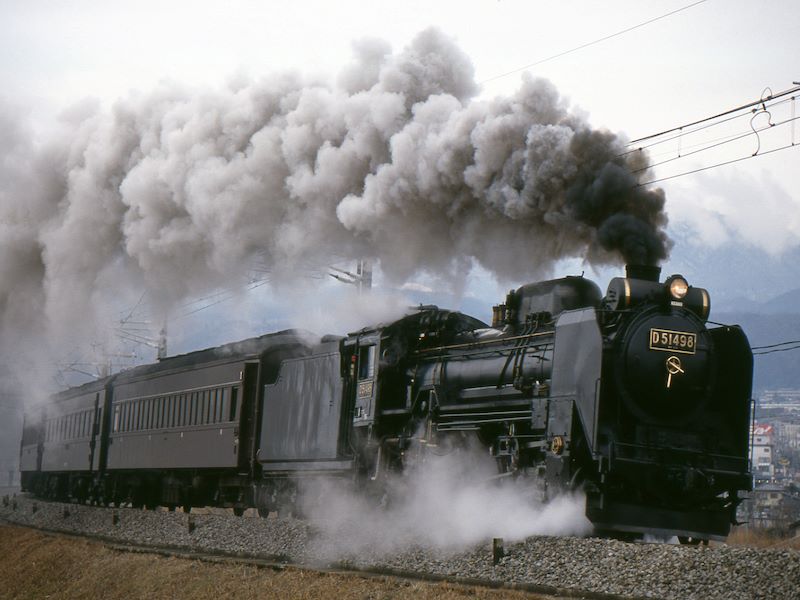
[646, 272]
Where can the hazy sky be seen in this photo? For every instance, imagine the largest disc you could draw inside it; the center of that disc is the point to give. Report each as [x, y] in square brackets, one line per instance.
[700, 61]
[707, 58]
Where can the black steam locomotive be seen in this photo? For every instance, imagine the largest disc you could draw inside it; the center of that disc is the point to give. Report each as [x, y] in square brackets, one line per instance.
[630, 397]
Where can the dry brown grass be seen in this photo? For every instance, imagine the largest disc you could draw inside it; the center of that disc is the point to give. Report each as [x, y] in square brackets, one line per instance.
[760, 538]
[36, 565]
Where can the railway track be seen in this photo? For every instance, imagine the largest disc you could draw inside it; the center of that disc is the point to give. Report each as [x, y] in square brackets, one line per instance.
[559, 567]
[279, 564]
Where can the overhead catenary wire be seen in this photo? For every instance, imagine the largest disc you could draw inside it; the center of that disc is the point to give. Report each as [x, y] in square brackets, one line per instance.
[718, 115]
[720, 164]
[716, 144]
[775, 345]
[774, 350]
[592, 43]
[683, 132]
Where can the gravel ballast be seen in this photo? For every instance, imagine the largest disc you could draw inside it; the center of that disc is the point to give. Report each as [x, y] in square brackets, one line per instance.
[664, 571]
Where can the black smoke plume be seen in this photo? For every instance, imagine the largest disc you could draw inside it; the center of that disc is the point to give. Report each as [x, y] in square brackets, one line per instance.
[176, 191]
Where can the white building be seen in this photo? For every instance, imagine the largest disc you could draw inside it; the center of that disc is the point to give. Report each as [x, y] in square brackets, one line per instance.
[761, 453]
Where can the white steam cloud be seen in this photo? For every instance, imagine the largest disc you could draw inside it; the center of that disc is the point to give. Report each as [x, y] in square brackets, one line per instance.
[450, 503]
[175, 191]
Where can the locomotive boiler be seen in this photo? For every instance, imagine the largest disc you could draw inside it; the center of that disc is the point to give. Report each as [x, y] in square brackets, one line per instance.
[630, 397]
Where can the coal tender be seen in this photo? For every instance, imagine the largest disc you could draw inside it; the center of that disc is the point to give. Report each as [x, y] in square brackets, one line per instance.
[631, 398]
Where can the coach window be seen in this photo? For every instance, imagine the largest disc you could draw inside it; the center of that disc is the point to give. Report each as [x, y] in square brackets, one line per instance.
[182, 411]
[224, 404]
[162, 411]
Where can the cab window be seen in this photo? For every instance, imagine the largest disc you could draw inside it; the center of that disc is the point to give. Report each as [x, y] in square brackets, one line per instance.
[366, 362]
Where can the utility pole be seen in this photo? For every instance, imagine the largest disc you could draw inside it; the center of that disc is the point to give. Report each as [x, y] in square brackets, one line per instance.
[162, 341]
[362, 278]
[364, 272]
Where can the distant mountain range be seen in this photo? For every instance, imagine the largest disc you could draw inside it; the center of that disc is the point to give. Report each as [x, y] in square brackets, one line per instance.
[739, 277]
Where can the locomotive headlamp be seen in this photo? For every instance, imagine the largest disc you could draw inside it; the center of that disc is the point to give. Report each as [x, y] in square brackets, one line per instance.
[678, 287]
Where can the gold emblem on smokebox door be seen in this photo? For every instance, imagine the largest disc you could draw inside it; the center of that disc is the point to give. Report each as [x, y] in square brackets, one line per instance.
[674, 367]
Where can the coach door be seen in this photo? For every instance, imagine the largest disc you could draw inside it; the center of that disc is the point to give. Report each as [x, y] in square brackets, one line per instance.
[95, 431]
[247, 415]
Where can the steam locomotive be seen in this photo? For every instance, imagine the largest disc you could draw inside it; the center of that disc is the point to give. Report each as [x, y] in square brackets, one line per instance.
[632, 398]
